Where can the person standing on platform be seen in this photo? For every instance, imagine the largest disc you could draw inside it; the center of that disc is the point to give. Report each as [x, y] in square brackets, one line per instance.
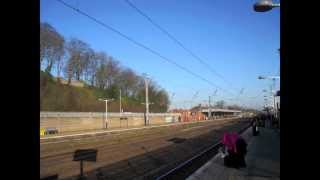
[255, 130]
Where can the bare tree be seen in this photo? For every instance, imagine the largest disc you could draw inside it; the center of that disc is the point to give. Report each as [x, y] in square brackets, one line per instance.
[78, 58]
[100, 77]
[107, 72]
[163, 100]
[51, 46]
[68, 70]
[112, 71]
[220, 104]
[90, 67]
[59, 65]
[235, 107]
[93, 67]
[128, 82]
[101, 69]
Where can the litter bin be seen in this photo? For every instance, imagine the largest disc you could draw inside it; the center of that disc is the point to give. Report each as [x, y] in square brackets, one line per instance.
[42, 131]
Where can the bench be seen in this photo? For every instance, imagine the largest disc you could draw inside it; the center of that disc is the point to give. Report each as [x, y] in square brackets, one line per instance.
[51, 130]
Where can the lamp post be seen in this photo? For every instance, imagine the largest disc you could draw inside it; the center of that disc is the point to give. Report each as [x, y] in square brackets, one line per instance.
[265, 5]
[193, 98]
[272, 88]
[215, 92]
[146, 82]
[172, 106]
[209, 111]
[273, 78]
[106, 119]
[120, 111]
[147, 112]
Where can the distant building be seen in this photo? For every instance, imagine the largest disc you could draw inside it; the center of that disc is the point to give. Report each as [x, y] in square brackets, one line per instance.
[189, 115]
[216, 113]
[202, 113]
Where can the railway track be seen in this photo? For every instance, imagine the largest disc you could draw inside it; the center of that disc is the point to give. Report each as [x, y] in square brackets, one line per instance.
[68, 146]
[143, 156]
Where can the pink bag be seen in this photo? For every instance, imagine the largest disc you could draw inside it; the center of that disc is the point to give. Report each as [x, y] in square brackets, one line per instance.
[229, 140]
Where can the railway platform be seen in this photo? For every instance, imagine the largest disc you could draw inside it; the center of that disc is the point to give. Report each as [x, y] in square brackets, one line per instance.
[263, 160]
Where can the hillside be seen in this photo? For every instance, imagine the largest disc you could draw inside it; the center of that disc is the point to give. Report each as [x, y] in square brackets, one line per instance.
[88, 75]
[55, 96]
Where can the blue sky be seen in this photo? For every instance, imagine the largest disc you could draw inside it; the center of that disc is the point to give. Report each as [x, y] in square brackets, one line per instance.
[237, 42]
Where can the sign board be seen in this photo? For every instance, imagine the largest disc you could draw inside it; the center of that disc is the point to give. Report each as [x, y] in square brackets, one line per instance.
[85, 155]
[123, 118]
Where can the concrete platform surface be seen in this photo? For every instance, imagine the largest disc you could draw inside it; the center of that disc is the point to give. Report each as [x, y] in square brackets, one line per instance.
[263, 160]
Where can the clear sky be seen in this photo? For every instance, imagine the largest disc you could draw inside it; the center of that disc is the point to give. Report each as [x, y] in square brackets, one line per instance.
[237, 42]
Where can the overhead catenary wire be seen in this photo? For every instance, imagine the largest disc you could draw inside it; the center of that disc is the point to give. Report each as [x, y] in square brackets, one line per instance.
[179, 43]
[141, 45]
[254, 97]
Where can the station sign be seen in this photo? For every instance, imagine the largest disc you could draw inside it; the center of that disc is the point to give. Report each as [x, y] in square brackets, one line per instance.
[85, 155]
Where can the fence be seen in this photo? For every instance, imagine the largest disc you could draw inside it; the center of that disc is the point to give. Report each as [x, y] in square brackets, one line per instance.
[77, 121]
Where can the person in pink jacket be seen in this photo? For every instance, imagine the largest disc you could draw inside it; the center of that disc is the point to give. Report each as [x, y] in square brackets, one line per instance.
[235, 150]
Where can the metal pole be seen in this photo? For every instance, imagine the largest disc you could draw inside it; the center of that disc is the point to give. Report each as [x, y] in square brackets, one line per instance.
[172, 106]
[271, 105]
[81, 169]
[120, 103]
[215, 92]
[106, 119]
[279, 119]
[274, 105]
[106, 126]
[209, 115]
[274, 99]
[147, 101]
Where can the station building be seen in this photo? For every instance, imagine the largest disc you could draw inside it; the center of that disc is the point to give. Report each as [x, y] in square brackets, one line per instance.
[199, 114]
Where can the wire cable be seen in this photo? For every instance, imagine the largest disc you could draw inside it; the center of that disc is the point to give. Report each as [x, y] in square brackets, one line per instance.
[142, 46]
[179, 43]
